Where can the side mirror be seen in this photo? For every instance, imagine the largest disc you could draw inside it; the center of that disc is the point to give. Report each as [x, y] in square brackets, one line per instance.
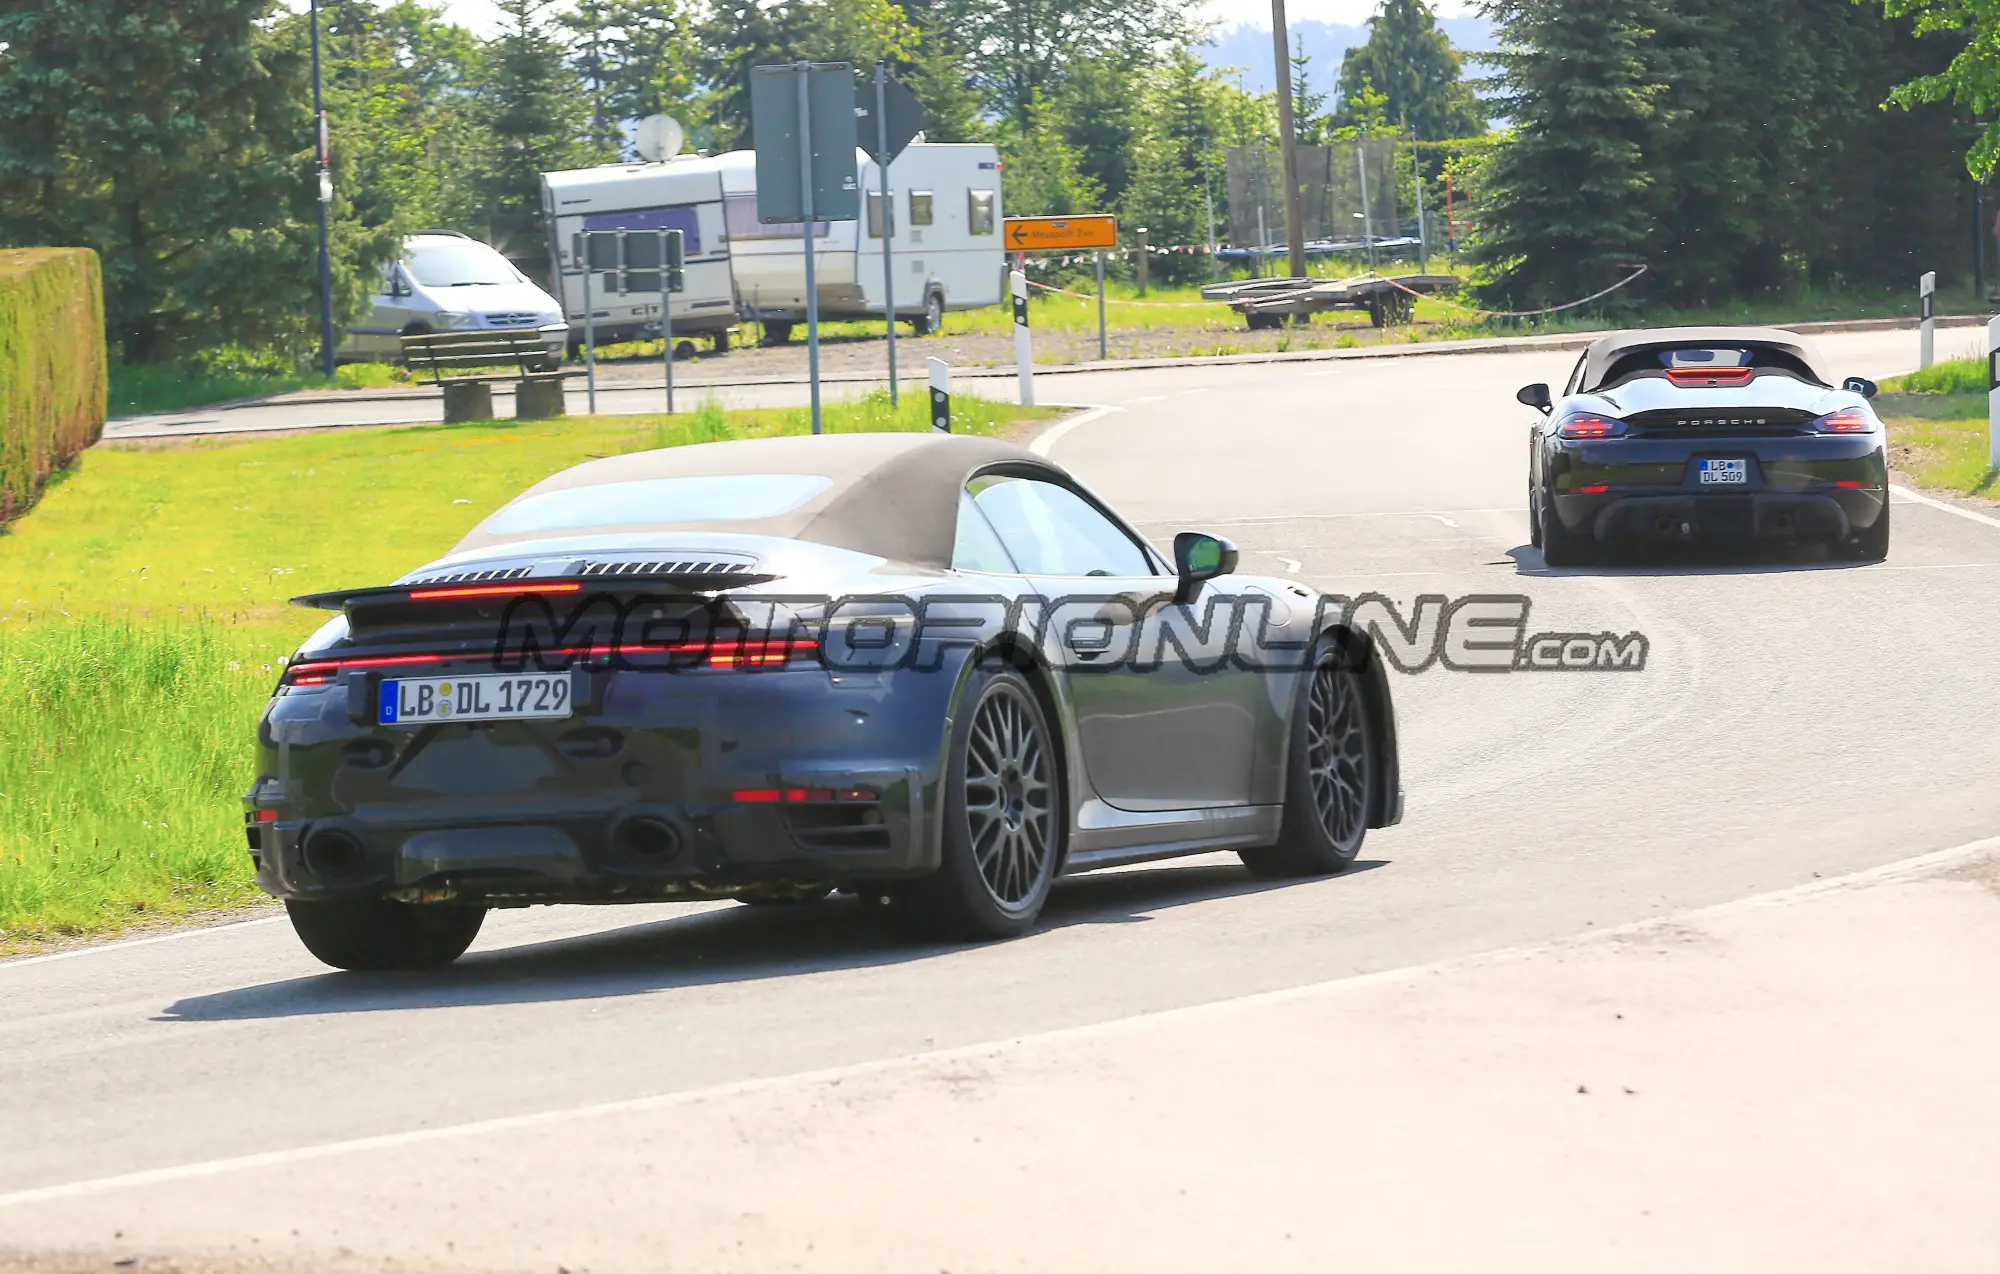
[1859, 385]
[1536, 396]
[1198, 558]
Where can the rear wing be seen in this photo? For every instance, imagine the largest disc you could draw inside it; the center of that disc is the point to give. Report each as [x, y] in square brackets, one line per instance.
[683, 583]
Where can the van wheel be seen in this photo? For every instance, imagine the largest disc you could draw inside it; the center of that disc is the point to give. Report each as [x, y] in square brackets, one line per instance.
[931, 321]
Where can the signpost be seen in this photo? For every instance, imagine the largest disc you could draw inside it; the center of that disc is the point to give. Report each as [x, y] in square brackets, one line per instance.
[1091, 231]
[1993, 393]
[640, 261]
[898, 119]
[940, 395]
[1926, 318]
[803, 118]
[1024, 350]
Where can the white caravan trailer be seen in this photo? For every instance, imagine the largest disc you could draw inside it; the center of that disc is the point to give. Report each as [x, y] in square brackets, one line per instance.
[946, 236]
[685, 194]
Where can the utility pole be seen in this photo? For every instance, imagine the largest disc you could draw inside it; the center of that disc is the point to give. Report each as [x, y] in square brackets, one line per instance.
[322, 169]
[1295, 231]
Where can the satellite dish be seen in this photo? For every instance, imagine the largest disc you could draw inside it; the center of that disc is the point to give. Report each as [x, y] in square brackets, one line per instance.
[659, 138]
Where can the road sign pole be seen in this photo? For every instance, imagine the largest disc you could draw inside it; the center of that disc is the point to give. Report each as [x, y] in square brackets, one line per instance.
[888, 224]
[940, 395]
[1926, 318]
[589, 333]
[666, 322]
[812, 281]
[1993, 393]
[1024, 352]
[1100, 306]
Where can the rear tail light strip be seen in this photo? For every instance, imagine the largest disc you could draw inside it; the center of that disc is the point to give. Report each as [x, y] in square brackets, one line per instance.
[1701, 377]
[754, 653]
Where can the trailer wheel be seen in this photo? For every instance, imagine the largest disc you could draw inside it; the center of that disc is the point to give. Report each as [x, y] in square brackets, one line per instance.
[777, 333]
[931, 321]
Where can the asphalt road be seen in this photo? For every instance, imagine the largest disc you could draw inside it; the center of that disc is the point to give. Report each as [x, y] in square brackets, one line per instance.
[1798, 719]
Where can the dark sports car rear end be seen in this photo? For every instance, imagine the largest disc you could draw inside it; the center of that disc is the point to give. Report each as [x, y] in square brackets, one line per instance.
[1707, 436]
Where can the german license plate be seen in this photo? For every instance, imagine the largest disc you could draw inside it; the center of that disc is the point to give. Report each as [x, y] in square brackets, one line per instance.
[1725, 473]
[424, 700]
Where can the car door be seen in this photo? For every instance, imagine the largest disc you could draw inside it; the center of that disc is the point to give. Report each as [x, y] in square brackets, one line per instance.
[1157, 731]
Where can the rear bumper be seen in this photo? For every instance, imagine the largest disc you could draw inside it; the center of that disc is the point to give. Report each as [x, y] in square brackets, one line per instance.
[661, 787]
[1820, 488]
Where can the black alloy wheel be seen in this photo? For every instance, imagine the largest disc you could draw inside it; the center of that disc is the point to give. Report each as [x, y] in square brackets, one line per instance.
[1330, 772]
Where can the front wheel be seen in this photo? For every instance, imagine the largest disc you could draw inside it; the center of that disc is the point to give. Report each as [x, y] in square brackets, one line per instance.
[1329, 772]
[1003, 819]
[369, 934]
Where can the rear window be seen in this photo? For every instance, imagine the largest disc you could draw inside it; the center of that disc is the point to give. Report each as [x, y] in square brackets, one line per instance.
[1705, 358]
[739, 214]
[729, 497]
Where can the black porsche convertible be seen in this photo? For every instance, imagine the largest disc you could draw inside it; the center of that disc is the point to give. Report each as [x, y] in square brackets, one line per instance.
[932, 670]
[1706, 434]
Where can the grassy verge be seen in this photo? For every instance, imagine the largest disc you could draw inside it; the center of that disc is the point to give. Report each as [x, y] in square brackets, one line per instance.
[1937, 422]
[143, 619]
[138, 390]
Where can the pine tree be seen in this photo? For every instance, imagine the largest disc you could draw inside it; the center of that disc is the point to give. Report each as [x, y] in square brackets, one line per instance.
[1100, 106]
[1411, 63]
[534, 117]
[1310, 124]
[1178, 155]
[651, 58]
[1563, 204]
[1045, 174]
[177, 141]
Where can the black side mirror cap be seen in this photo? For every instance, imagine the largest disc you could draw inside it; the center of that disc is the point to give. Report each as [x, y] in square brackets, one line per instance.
[1536, 396]
[1198, 558]
[1859, 385]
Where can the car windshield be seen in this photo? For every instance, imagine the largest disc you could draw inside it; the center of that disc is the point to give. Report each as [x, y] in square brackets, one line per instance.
[459, 263]
[732, 497]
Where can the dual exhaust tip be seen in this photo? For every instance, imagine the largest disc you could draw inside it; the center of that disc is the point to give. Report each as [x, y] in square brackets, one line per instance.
[336, 850]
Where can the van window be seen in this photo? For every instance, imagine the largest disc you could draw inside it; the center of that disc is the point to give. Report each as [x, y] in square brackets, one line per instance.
[920, 207]
[739, 213]
[685, 218]
[875, 215]
[457, 263]
[979, 211]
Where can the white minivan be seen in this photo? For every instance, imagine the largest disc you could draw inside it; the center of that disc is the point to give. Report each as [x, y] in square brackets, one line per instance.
[448, 282]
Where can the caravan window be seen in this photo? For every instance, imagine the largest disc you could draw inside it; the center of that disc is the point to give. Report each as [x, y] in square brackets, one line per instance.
[979, 211]
[920, 207]
[739, 212]
[875, 215]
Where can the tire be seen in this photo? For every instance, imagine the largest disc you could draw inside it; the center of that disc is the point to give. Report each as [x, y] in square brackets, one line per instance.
[777, 333]
[683, 351]
[786, 897]
[369, 934]
[1871, 545]
[1329, 772]
[1561, 546]
[1534, 519]
[931, 321]
[1004, 820]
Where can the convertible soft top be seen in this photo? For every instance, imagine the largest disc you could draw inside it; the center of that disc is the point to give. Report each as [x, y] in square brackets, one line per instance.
[893, 495]
[1604, 354]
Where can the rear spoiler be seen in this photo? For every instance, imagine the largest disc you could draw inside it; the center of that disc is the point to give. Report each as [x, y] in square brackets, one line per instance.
[682, 582]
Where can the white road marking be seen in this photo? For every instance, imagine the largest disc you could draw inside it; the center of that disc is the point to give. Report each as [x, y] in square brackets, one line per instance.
[1055, 433]
[1954, 510]
[1442, 518]
[1314, 517]
[102, 947]
[1146, 398]
[1292, 564]
[1908, 869]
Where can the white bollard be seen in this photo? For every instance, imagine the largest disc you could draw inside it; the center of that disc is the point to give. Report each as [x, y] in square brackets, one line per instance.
[940, 395]
[1024, 350]
[1926, 318]
[1993, 393]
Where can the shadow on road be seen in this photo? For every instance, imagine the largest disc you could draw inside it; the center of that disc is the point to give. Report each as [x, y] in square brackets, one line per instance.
[1763, 560]
[730, 944]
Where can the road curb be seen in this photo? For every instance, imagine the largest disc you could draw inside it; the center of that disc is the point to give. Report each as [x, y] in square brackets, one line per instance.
[1414, 349]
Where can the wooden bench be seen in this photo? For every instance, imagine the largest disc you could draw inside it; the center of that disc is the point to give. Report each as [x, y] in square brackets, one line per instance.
[453, 361]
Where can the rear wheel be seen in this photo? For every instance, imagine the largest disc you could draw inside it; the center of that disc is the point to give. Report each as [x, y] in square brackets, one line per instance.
[931, 321]
[1003, 819]
[1561, 546]
[1330, 769]
[373, 933]
[800, 897]
[1871, 545]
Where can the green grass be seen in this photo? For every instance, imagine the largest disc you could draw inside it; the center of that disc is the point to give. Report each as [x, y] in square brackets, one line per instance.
[150, 387]
[143, 618]
[1937, 422]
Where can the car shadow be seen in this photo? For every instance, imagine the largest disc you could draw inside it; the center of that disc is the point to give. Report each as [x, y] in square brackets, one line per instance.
[732, 944]
[1694, 560]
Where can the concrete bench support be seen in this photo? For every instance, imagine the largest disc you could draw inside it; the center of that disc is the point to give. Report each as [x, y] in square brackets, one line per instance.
[540, 399]
[467, 400]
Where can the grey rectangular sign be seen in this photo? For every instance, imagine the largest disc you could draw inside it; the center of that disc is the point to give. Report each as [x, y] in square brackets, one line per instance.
[774, 124]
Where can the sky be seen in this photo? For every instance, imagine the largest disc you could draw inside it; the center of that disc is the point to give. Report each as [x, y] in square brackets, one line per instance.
[479, 14]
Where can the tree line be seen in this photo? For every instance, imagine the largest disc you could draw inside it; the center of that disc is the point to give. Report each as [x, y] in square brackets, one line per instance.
[1733, 148]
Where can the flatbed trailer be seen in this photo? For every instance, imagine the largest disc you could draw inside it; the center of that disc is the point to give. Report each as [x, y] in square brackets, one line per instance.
[1271, 302]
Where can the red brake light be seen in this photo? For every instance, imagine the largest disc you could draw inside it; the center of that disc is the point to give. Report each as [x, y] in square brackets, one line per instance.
[1598, 490]
[1848, 420]
[759, 795]
[1702, 377]
[318, 672]
[490, 590]
[768, 653]
[1585, 425]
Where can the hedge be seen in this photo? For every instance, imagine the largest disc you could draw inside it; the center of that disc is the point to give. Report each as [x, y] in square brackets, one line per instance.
[52, 371]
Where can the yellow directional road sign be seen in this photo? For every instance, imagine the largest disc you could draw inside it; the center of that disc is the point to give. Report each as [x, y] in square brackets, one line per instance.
[1054, 234]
